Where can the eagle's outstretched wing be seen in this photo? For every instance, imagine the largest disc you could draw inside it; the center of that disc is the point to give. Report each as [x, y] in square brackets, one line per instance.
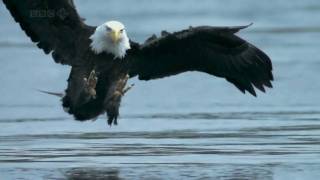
[53, 24]
[214, 50]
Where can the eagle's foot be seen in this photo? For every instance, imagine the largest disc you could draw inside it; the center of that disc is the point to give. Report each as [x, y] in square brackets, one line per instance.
[125, 90]
[122, 85]
[91, 83]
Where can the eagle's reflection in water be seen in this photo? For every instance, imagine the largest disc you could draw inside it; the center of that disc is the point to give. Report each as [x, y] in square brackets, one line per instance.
[90, 173]
[242, 171]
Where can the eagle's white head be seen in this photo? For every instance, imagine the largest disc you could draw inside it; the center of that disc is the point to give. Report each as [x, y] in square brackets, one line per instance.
[110, 37]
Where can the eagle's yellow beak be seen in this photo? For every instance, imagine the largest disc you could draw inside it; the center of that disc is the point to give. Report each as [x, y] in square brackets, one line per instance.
[115, 36]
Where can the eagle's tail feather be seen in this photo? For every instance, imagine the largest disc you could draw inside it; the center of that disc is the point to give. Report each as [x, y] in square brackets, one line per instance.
[61, 95]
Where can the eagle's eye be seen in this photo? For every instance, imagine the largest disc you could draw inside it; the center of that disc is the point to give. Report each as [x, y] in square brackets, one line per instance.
[121, 31]
[108, 29]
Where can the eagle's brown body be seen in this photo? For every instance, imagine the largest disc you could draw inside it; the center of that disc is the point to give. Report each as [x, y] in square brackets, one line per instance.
[112, 76]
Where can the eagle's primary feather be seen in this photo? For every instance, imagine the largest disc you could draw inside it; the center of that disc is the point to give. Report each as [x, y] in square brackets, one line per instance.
[97, 80]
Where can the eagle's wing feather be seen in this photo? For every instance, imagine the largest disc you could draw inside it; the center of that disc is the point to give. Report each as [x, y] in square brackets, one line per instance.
[53, 24]
[214, 50]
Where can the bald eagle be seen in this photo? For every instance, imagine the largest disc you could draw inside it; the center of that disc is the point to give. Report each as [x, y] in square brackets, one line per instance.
[103, 58]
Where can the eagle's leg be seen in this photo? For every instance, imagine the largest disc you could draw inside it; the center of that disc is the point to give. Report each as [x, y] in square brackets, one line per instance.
[113, 100]
[90, 84]
[112, 107]
[81, 95]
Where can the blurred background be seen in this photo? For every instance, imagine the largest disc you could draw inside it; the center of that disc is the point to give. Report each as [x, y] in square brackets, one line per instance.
[189, 126]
